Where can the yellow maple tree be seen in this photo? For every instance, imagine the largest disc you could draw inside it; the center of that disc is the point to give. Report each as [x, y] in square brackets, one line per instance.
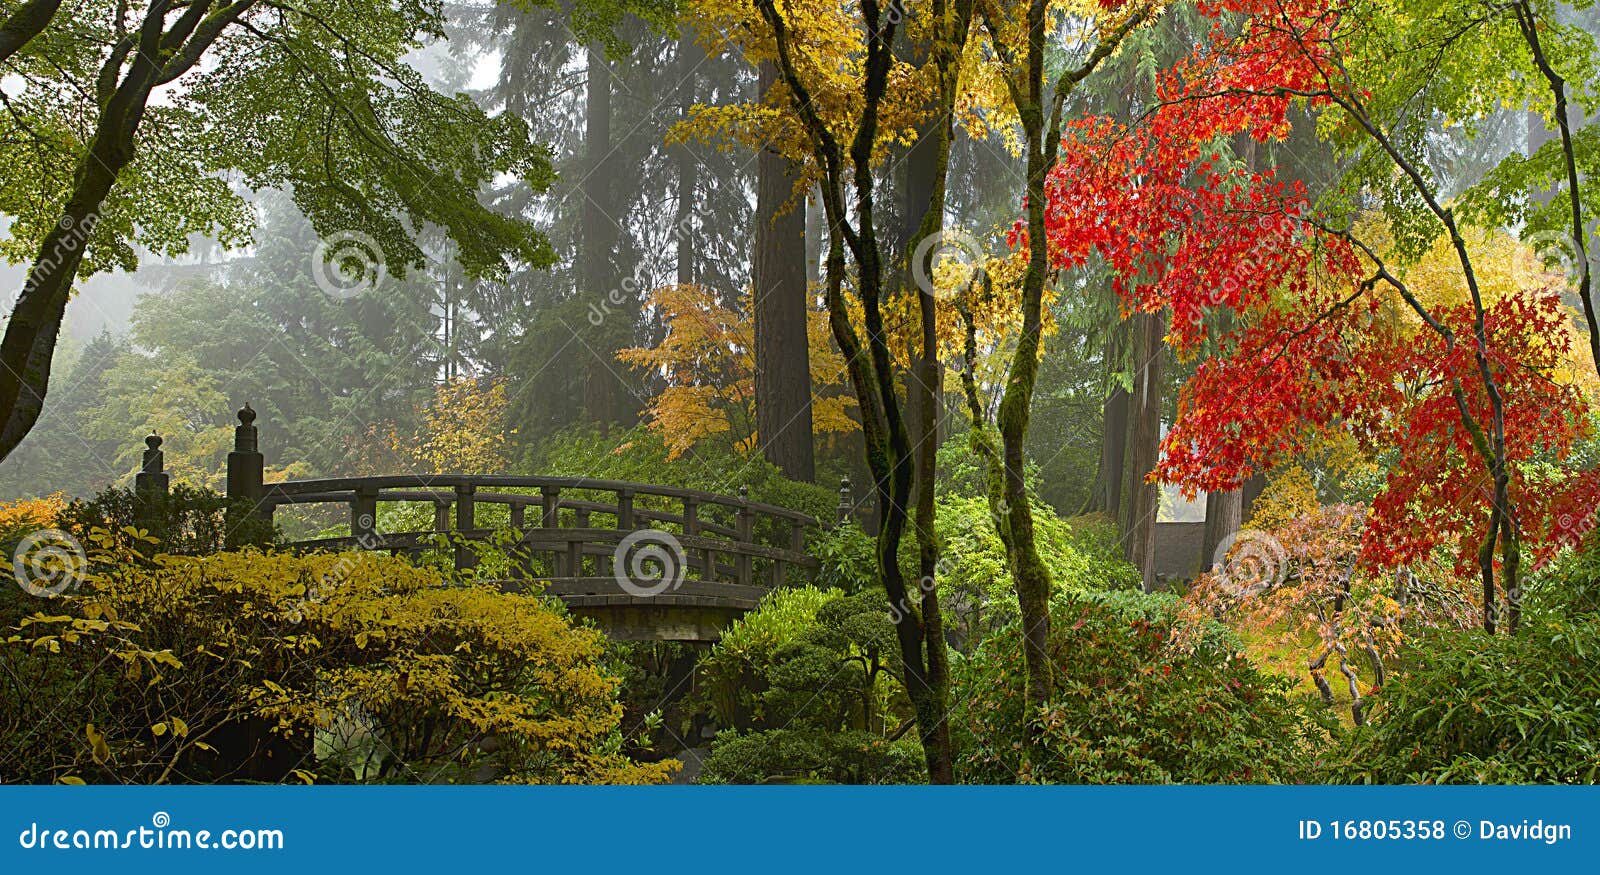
[707, 362]
[464, 428]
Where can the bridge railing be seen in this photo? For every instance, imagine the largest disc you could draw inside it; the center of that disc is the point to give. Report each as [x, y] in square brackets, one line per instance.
[573, 530]
[577, 525]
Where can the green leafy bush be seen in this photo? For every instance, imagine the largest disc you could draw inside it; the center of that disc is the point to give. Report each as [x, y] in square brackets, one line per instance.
[813, 673]
[639, 455]
[800, 643]
[1568, 587]
[1128, 706]
[847, 559]
[787, 756]
[1471, 708]
[975, 574]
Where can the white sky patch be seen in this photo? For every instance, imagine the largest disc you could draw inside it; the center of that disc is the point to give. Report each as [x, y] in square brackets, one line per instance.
[485, 72]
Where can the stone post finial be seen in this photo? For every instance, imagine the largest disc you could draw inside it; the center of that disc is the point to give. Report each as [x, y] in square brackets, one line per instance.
[244, 434]
[151, 483]
[154, 459]
[246, 468]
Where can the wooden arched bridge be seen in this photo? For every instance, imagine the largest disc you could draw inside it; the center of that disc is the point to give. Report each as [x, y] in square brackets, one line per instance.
[646, 562]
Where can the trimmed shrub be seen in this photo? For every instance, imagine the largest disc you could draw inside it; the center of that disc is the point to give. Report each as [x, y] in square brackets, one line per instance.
[1128, 706]
[806, 684]
[786, 756]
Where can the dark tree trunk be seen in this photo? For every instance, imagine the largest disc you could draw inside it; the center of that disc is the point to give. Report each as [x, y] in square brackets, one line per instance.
[1224, 516]
[924, 190]
[610, 323]
[872, 372]
[689, 57]
[782, 355]
[1145, 498]
[1114, 432]
[1249, 493]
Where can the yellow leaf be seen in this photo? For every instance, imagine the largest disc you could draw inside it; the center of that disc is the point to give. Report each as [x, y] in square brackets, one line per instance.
[74, 780]
[159, 729]
[97, 744]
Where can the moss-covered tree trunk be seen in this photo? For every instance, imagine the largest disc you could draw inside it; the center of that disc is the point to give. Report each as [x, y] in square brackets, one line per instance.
[29, 344]
[24, 23]
[871, 367]
[1041, 124]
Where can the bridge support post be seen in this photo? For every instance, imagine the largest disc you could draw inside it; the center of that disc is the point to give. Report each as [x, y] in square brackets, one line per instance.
[549, 506]
[797, 544]
[691, 528]
[364, 517]
[744, 525]
[466, 521]
[150, 485]
[245, 476]
[625, 510]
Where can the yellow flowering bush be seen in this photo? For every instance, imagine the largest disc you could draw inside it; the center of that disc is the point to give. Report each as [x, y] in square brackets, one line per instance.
[354, 667]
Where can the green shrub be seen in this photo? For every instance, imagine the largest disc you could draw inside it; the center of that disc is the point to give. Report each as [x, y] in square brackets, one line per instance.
[639, 455]
[804, 654]
[847, 559]
[975, 574]
[787, 756]
[813, 673]
[1128, 707]
[1469, 708]
[1568, 587]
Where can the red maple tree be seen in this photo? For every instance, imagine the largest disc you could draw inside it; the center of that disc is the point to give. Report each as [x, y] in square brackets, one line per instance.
[1324, 335]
